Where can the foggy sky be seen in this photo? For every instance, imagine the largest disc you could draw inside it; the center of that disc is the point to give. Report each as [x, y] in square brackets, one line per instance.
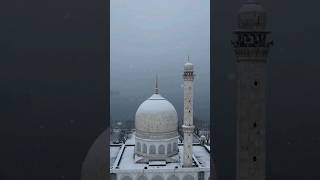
[151, 36]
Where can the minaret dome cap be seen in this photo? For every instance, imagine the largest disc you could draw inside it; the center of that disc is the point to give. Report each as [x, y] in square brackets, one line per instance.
[188, 66]
[251, 6]
[252, 16]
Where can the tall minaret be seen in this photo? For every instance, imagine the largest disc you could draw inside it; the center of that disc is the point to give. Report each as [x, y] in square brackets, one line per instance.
[251, 49]
[187, 126]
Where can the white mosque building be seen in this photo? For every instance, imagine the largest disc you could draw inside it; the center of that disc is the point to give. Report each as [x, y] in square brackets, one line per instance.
[154, 152]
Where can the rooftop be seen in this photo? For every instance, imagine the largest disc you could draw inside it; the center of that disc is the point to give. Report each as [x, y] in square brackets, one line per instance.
[123, 159]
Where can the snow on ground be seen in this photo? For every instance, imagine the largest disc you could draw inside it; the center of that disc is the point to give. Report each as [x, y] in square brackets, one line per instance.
[114, 150]
[202, 155]
[131, 139]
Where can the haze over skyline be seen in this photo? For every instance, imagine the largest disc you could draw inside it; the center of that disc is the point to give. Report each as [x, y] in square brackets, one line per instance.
[151, 37]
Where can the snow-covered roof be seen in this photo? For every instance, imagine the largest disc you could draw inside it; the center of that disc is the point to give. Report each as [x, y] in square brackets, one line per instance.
[201, 154]
[131, 139]
[126, 161]
[114, 151]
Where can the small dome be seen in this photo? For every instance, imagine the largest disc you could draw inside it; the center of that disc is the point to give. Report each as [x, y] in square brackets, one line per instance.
[188, 66]
[251, 6]
[156, 115]
[252, 16]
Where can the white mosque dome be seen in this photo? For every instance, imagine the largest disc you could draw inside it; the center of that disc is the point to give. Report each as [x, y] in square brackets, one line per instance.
[156, 115]
[156, 136]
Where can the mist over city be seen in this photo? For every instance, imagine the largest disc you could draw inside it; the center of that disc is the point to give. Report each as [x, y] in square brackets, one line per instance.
[155, 37]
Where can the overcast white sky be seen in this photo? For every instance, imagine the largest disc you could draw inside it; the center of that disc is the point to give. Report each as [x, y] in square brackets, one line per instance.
[155, 36]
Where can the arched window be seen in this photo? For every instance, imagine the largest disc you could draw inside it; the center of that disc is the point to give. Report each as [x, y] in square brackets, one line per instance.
[169, 149]
[175, 147]
[126, 178]
[142, 177]
[173, 177]
[161, 149]
[188, 177]
[144, 149]
[157, 177]
[138, 147]
[152, 149]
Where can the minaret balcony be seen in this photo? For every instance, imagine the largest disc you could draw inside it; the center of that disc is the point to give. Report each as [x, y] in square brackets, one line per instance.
[188, 129]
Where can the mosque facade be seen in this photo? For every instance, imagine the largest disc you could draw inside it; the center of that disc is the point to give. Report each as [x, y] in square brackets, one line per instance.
[155, 152]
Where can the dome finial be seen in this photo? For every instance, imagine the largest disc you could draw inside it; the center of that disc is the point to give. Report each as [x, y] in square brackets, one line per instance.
[156, 90]
[188, 58]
